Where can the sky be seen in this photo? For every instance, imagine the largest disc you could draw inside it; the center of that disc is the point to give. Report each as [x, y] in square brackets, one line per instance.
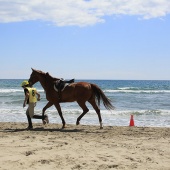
[85, 39]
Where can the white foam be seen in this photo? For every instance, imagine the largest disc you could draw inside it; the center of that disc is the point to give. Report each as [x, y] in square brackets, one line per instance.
[137, 91]
[153, 118]
[14, 90]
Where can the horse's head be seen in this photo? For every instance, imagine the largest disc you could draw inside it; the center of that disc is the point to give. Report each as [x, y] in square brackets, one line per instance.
[33, 77]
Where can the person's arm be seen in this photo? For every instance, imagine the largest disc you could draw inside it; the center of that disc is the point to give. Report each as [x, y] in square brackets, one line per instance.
[38, 96]
[26, 98]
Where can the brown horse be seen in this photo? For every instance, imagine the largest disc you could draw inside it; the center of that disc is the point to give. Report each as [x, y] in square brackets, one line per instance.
[79, 92]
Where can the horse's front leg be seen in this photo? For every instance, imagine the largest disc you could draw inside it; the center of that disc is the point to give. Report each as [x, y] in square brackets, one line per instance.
[49, 104]
[57, 105]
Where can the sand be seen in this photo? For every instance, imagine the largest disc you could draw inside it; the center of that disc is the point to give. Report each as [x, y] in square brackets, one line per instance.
[83, 147]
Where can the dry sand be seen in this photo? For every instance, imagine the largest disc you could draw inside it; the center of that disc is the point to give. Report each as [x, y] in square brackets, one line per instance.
[83, 147]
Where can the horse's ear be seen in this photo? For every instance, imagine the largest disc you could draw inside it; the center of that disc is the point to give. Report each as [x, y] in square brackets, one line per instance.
[47, 73]
[34, 70]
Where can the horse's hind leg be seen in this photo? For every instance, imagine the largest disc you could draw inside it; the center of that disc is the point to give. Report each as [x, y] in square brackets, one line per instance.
[85, 110]
[96, 108]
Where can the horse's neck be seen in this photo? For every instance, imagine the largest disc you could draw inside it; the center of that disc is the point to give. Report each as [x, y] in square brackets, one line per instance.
[42, 80]
[46, 81]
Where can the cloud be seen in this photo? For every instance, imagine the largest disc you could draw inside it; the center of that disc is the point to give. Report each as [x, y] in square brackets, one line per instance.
[79, 12]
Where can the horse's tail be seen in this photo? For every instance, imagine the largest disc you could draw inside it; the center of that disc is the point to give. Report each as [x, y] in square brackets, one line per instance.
[99, 95]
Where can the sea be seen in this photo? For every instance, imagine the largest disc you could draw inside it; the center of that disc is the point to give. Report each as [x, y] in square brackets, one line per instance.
[147, 100]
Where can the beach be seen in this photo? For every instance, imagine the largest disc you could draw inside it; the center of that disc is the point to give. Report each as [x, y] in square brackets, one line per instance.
[83, 147]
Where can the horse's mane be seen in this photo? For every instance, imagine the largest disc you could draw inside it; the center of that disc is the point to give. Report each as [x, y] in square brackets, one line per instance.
[51, 77]
[38, 71]
[46, 74]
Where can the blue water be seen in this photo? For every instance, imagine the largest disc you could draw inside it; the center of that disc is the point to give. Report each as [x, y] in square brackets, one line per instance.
[148, 101]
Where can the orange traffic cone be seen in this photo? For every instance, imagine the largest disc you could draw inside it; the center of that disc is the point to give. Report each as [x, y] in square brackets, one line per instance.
[131, 121]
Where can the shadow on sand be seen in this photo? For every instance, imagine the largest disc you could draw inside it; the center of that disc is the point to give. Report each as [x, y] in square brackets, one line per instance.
[42, 130]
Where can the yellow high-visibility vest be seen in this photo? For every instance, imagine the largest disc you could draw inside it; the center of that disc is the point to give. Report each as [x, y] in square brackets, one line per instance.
[32, 95]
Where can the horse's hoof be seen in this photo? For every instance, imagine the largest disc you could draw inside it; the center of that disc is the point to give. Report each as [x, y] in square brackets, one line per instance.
[63, 127]
[77, 123]
[44, 122]
[101, 127]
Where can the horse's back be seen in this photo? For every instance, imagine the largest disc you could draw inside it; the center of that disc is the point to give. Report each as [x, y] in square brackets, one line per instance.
[83, 85]
[78, 91]
[80, 86]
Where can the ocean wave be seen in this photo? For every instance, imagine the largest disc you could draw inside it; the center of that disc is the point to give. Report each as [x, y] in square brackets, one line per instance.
[137, 91]
[118, 90]
[78, 111]
[10, 90]
[155, 118]
[15, 90]
[142, 112]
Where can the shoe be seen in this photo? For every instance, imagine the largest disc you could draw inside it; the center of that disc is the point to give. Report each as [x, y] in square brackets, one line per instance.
[45, 121]
[29, 128]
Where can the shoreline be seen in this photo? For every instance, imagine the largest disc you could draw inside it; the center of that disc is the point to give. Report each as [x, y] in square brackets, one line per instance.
[83, 147]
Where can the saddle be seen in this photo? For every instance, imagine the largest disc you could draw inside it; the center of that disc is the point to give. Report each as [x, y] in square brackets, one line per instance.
[60, 84]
